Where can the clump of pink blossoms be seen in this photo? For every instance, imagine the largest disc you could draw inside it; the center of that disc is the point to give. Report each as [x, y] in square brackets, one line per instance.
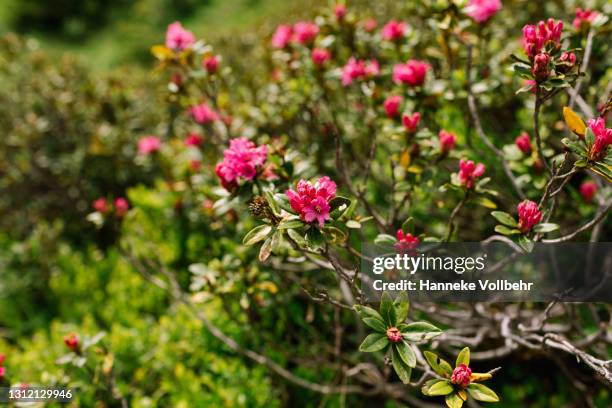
[282, 36]
[121, 206]
[469, 172]
[584, 18]
[358, 69]
[461, 376]
[304, 32]
[320, 56]
[340, 11]
[101, 205]
[240, 162]
[392, 104]
[411, 122]
[603, 139]
[588, 189]
[447, 141]
[405, 242]
[529, 215]
[148, 145]
[177, 38]
[411, 73]
[523, 143]
[203, 114]
[311, 201]
[394, 30]
[193, 139]
[482, 10]
[546, 34]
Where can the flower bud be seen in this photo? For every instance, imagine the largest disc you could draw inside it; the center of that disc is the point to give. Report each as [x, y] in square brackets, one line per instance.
[541, 68]
[529, 215]
[101, 206]
[523, 143]
[2, 373]
[72, 341]
[320, 56]
[461, 376]
[566, 62]
[447, 141]
[392, 105]
[394, 335]
[411, 122]
[211, 64]
[588, 189]
[340, 11]
[121, 207]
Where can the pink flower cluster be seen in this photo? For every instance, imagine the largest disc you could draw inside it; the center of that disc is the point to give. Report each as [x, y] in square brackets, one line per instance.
[211, 64]
[394, 30]
[302, 32]
[177, 38]
[392, 104]
[240, 161]
[405, 242]
[320, 56]
[529, 215]
[121, 206]
[148, 145]
[411, 122]
[447, 141]
[482, 10]
[584, 18]
[411, 73]
[203, 114]
[546, 33]
[310, 201]
[194, 139]
[340, 11]
[469, 172]
[462, 376]
[603, 138]
[523, 143]
[359, 69]
[588, 189]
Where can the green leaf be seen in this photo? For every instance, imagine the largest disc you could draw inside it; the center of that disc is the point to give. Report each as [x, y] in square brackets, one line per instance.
[402, 369]
[427, 385]
[442, 387]
[463, 357]
[453, 401]
[387, 310]
[406, 353]
[272, 203]
[482, 393]
[266, 249]
[439, 365]
[338, 205]
[290, 224]
[485, 202]
[376, 324]
[502, 229]
[297, 237]
[374, 342]
[366, 311]
[545, 227]
[408, 225]
[418, 331]
[402, 305]
[384, 239]
[525, 243]
[349, 211]
[257, 234]
[504, 218]
[353, 224]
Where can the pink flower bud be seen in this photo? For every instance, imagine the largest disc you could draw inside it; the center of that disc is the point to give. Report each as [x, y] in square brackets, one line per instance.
[394, 31]
[193, 139]
[178, 38]
[529, 215]
[320, 56]
[470, 172]
[588, 189]
[482, 10]
[411, 73]
[370, 25]
[358, 69]
[394, 335]
[101, 205]
[392, 104]
[523, 143]
[282, 36]
[405, 242]
[121, 207]
[411, 122]
[2, 372]
[603, 139]
[547, 34]
[447, 141]
[340, 11]
[461, 376]
[584, 18]
[566, 62]
[203, 114]
[72, 341]
[211, 64]
[148, 145]
[541, 68]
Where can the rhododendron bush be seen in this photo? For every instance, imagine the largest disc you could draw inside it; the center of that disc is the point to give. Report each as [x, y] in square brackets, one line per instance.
[269, 162]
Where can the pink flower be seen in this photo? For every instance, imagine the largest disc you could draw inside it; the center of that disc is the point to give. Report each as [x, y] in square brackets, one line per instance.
[411, 122]
[482, 10]
[101, 205]
[320, 56]
[447, 141]
[72, 341]
[393, 30]
[203, 114]
[394, 335]
[541, 67]
[340, 11]
[584, 18]
[523, 143]
[566, 62]
[469, 172]
[603, 138]
[412, 73]
[121, 206]
[392, 104]
[240, 162]
[282, 36]
[2, 372]
[461, 376]
[310, 201]
[534, 40]
[148, 145]
[304, 32]
[194, 139]
[405, 242]
[211, 64]
[358, 69]
[370, 25]
[588, 189]
[178, 38]
[529, 215]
